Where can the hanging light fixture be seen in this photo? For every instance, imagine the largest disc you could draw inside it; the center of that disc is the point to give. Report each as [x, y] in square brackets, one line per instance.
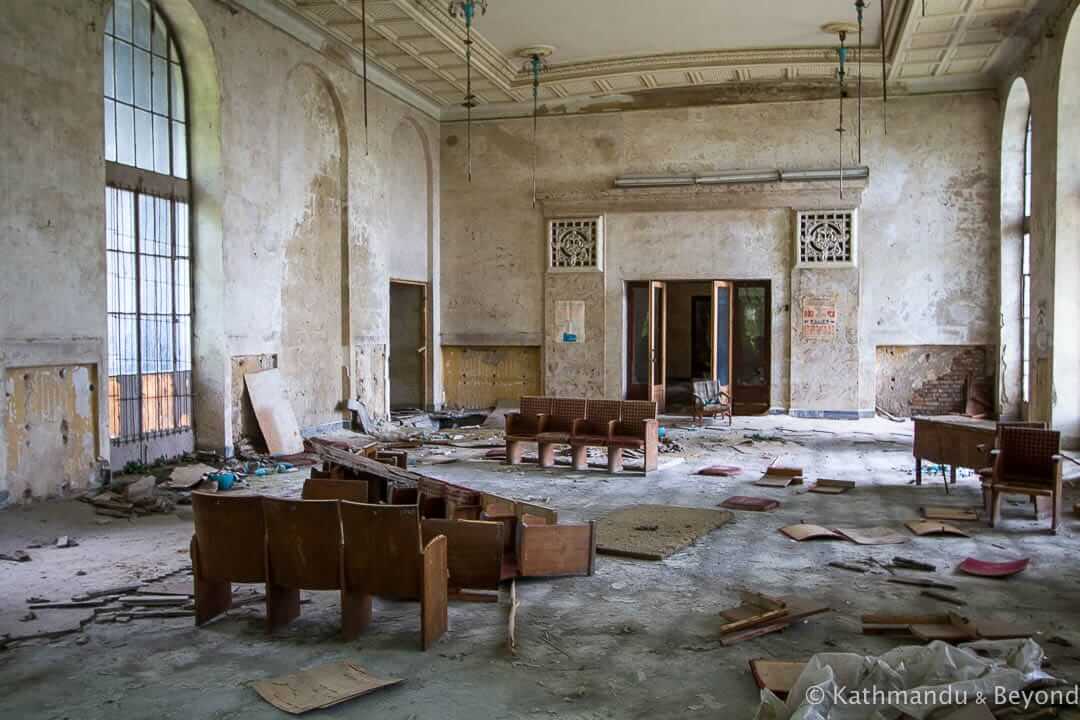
[884, 75]
[535, 63]
[363, 23]
[841, 29]
[860, 6]
[467, 10]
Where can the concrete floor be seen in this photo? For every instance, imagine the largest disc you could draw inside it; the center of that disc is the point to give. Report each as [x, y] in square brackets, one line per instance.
[637, 640]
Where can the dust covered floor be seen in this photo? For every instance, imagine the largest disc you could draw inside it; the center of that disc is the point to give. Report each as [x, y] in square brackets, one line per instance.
[638, 639]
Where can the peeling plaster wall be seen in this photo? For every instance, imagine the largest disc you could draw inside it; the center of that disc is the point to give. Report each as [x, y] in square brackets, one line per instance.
[1052, 72]
[929, 265]
[52, 277]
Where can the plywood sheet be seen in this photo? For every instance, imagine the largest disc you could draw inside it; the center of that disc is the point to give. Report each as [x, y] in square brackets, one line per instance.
[806, 531]
[933, 527]
[778, 676]
[950, 513]
[874, 536]
[320, 687]
[276, 418]
[653, 532]
[479, 377]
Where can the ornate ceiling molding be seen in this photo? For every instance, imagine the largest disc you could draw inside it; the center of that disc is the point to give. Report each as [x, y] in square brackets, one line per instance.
[956, 46]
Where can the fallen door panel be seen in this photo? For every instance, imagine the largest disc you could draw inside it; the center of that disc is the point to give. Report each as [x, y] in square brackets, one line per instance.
[554, 550]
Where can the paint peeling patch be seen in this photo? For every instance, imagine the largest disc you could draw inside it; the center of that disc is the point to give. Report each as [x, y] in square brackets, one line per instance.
[52, 431]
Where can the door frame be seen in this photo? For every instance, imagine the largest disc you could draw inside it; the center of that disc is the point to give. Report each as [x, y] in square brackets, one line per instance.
[754, 399]
[657, 361]
[425, 312]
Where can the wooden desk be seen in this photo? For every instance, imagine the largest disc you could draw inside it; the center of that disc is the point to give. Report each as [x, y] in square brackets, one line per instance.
[953, 440]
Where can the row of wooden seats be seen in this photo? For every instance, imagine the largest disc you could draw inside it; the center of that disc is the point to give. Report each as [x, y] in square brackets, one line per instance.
[359, 549]
[614, 424]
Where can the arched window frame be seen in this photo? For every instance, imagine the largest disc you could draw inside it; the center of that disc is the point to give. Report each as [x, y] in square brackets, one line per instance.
[148, 246]
[1025, 272]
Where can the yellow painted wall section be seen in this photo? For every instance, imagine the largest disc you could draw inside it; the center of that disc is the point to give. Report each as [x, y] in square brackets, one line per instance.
[478, 377]
[52, 430]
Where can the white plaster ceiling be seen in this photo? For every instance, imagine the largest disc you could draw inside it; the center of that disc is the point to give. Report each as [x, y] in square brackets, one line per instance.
[585, 30]
[619, 48]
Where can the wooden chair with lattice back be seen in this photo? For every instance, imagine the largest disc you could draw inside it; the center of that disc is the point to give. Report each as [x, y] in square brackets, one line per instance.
[557, 426]
[384, 556]
[638, 429]
[229, 546]
[1027, 461]
[594, 430]
[303, 552]
[524, 425]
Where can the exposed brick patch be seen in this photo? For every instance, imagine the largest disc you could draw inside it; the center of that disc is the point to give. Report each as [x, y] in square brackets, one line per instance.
[929, 379]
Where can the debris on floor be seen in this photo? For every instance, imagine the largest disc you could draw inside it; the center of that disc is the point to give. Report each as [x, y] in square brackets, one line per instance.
[923, 528]
[987, 568]
[320, 687]
[950, 627]
[761, 615]
[675, 528]
[825, 486]
[751, 504]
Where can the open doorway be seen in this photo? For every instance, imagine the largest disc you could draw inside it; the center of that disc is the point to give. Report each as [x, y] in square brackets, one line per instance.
[682, 332]
[408, 345]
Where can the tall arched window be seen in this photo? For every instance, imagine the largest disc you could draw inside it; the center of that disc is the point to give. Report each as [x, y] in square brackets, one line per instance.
[1025, 279]
[147, 237]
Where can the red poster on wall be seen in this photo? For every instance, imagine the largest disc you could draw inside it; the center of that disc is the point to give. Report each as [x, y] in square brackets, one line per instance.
[818, 318]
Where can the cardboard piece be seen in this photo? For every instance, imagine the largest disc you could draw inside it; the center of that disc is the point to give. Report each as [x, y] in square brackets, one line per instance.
[873, 536]
[950, 513]
[778, 676]
[803, 531]
[751, 504]
[933, 527]
[274, 413]
[320, 687]
[832, 487]
[985, 568]
[653, 532]
[186, 477]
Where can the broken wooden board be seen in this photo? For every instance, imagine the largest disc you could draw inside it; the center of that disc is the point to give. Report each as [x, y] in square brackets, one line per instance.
[920, 582]
[754, 610]
[923, 528]
[750, 504]
[873, 536]
[805, 531]
[986, 568]
[778, 481]
[950, 627]
[797, 609]
[777, 676]
[274, 413]
[950, 513]
[825, 486]
[320, 687]
[653, 532]
[186, 477]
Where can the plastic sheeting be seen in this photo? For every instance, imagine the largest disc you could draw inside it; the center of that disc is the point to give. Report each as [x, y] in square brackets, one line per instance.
[914, 680]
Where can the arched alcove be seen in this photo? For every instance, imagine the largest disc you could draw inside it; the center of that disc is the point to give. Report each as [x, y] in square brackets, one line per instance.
[413, 255]
[313, 212]
[1014, 134]
[1066, 343]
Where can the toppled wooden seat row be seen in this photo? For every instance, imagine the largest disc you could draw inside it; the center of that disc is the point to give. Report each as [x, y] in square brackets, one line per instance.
[617, 425]
[369, 529]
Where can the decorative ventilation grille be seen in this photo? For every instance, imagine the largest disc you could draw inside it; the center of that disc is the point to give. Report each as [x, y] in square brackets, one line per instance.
[826, 238]
[576, 244]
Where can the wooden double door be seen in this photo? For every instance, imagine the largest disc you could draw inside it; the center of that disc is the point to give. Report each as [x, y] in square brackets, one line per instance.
[741, 331]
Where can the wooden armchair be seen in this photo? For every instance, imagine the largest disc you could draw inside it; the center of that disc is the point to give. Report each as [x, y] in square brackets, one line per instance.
[594, 430]
[710, 400]
[556, 427]
[1027, 461]
[303, 552]
[638, 430]
[228, 546]
[384, 556]
[524, 426]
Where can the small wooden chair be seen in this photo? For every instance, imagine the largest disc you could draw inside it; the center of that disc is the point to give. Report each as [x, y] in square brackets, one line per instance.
[523, 426]
[229, 545]
[555, 429]
[1027, 461]
[638, 430]
[303, 552]
[710, 400]
[384, 556]
[594, 430]
[317, 488]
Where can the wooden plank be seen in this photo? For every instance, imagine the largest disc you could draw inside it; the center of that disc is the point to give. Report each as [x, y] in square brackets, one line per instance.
[555, 550]
[474, 551]
[479, 377]
[777, 676]
[274, 413]
[511, 620]
[434, 620]
[363, 465]
[798, 609]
